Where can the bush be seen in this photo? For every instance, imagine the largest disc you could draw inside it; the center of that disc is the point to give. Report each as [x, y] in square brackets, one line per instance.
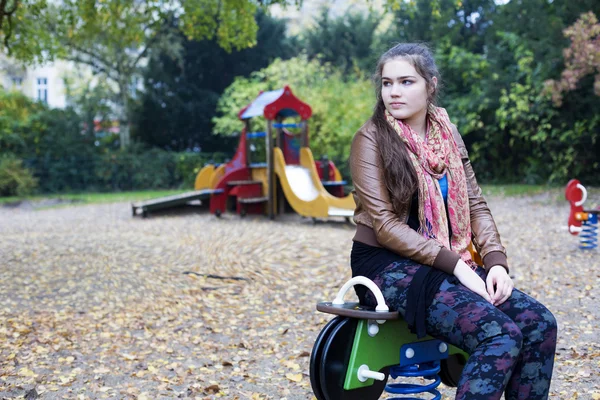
[15, 179]
[340, 105]
[135, 169]
[115, 170]
[51, 150]
[141, 168]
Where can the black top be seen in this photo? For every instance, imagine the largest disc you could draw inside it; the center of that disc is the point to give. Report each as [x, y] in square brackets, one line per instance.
[370, 261]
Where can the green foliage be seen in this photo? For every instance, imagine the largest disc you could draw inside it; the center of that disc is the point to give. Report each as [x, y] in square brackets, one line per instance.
[464, 23]
[230, 21]
[15, 179]
[114, 38]
[526, 138]
[19, 121]
[582, 57]
[54, 146]
[180, 100]
[346, 41]
[92, 101]
[494, 59]
[340, 106]
[539, 25]
[463, 93]
[36, 30]
[136, 169]
[493, 76]
[21, 34]
[114, 170]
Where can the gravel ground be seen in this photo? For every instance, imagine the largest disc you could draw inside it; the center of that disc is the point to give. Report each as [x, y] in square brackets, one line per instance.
[97, 304]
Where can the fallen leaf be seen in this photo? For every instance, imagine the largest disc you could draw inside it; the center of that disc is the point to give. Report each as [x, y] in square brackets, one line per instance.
[294, 377]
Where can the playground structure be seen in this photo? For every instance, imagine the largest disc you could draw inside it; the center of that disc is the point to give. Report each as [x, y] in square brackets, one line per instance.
[286, 175]
[359, 349]
[582, 222]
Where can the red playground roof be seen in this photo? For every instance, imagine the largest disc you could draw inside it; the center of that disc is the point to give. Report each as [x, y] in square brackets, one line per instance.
[280, 102]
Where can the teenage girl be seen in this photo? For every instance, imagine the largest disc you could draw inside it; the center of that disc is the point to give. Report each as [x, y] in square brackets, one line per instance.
[418, 208]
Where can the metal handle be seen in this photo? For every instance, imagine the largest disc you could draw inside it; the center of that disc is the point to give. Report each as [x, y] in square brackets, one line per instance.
[583, 195]
[361, 280]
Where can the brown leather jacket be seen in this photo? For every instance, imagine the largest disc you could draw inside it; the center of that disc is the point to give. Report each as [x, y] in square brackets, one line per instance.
[379, 225]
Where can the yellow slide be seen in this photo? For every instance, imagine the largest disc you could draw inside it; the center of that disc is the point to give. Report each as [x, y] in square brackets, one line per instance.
[209, 176]
[304, 191]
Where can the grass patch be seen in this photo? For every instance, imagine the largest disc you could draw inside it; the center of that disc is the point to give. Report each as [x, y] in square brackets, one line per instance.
[95, 198]
[515, 190]
[510, 190]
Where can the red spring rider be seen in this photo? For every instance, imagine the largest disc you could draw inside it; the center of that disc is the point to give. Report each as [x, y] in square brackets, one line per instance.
[582, 222]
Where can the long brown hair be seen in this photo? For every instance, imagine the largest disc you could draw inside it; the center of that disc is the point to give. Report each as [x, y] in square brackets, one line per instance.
[400, 176]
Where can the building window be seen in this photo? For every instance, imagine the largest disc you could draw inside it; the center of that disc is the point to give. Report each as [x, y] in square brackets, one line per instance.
[42, 89]
[17, 82]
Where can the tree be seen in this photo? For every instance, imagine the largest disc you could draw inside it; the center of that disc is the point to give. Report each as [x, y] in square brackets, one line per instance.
[22, 36]
[230, 22]
[19, 122]
[114, 37]
[180, 98]
[92, 100]
[345, 41]
[7, 11]
[463, 22]
[340, 106]
[539, 24]
[582, 57]
[546, 142]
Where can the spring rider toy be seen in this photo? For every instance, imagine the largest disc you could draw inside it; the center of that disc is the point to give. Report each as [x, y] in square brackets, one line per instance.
[582, 222]
[360, 348]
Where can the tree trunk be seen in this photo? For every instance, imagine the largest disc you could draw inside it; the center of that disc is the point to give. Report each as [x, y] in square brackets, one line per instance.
[124, 133]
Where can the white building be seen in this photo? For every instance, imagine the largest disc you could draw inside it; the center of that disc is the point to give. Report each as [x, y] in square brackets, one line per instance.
[44, 83]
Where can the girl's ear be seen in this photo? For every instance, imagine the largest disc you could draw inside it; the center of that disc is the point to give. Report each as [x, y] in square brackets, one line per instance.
[434, 82]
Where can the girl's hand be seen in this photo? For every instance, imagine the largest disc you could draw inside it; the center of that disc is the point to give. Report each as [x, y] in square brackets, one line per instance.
[471, 280]
[499, 284]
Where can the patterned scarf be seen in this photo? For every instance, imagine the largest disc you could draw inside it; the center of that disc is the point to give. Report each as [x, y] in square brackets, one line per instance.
[433, 158]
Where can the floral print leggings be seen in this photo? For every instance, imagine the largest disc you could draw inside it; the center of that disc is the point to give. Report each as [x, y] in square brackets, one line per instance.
[511, 346]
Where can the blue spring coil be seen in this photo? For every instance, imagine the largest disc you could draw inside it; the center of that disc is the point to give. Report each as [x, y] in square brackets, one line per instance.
[427, 370]
[588, 237]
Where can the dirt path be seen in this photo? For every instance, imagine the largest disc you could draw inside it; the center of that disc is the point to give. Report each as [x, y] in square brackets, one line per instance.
[97, 304]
